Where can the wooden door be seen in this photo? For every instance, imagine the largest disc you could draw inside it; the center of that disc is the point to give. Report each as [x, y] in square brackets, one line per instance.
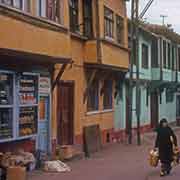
[154, 110]
[65, 113]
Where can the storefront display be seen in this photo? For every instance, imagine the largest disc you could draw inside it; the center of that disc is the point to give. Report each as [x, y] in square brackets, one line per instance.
[19, 101]
[27, 121]
[28, 97]
[6, 105]
[6, 117]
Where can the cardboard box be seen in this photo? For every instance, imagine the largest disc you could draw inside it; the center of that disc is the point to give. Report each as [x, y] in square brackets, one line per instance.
[16, 172]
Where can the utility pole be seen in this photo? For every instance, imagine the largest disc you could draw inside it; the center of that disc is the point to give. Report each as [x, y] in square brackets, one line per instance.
[135, 17]
[163, 18]
[138, 94]
[130, 89]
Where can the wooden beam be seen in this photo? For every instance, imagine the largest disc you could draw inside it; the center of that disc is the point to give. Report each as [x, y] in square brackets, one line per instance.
[58, 77]
[89, 84]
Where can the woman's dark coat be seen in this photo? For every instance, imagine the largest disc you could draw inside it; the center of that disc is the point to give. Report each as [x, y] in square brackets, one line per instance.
[164, 144]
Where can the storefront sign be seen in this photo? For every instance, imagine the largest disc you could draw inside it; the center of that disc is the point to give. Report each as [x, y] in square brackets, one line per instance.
[44, 85]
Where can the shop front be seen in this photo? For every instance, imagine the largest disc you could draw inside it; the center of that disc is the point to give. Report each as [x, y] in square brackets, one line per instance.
[25, 100]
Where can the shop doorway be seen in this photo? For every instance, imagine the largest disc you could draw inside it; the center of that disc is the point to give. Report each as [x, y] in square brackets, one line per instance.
[65, 113]
[154, 110]
[43, 123]
[178, 109]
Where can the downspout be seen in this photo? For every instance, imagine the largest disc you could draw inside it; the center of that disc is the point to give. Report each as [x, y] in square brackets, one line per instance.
[99, 53]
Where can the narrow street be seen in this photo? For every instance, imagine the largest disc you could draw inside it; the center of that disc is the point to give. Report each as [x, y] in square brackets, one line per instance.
[115, 162]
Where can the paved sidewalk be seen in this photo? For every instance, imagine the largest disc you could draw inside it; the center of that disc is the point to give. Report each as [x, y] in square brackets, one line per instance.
[114, 162]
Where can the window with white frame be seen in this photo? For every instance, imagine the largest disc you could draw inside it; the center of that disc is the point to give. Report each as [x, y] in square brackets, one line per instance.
[164, 54]
[108, 22]
[145, 56]
[23, 5]
[49, 9]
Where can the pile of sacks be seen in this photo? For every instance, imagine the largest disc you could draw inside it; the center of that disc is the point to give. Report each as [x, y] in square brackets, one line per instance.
[20, 158]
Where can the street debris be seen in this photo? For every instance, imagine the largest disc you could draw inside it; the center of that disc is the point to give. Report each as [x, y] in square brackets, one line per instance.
[56, 166]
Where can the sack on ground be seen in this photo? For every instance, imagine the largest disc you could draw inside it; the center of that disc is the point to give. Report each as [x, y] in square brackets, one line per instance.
[56, 166]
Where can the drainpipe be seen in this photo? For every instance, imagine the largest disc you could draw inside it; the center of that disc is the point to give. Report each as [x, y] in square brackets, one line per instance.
[99, 53]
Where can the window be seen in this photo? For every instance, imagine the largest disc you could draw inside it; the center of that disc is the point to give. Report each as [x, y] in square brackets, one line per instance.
[164, 54]
[178, 61]
[87, 12]
[93, 97]
[74, 11]
[169, 56]
[155, 46]
[145, 56]
[42, 8]
[107, 98]
[49, 9]
[173, 58]
[169, 96]
[19, 4]
[120, 29]
[108, 22]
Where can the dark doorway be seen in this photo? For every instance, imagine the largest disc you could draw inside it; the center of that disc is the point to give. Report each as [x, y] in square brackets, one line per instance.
[178, 110]
[65, 113]
[154, 110]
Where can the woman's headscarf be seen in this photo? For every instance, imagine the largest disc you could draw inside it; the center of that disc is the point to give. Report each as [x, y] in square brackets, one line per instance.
[162, 121]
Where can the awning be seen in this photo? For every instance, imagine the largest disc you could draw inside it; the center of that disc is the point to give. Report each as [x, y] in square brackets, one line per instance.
[26, 61]
[105, 67]
[16, 58]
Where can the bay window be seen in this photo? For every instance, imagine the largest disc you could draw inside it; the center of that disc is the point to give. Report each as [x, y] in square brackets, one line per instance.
[108, 22]
[120, 29]
[74, 15]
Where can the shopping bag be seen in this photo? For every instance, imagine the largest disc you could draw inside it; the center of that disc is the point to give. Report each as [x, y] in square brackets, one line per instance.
[176, 153]
[153, 158]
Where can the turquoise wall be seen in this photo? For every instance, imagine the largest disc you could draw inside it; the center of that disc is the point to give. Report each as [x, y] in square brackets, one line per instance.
[120, 111]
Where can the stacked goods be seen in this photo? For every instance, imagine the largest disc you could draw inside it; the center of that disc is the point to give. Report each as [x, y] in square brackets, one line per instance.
[153, 158]
[20, 158]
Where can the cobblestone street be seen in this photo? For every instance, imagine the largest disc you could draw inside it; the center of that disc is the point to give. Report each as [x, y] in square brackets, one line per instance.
[115, 162]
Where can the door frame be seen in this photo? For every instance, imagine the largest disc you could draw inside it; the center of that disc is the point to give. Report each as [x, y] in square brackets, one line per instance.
[49, 147]
[72, 85]
[154, 123]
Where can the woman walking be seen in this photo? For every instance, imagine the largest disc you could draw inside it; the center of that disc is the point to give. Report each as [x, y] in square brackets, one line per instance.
[164, 144]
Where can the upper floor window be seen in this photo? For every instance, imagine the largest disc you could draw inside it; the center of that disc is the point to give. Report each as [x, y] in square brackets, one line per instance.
[173, 58]
[169, 56]
[108, 22]
[178, 61]
[87, 15]
[120, 29]
[19, 4]
[164, 55]
[108, 94]
[74, 11]
[49, 9]
[145, 56]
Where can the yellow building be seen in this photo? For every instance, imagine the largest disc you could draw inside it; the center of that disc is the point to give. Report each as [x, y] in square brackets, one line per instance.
[82, 46]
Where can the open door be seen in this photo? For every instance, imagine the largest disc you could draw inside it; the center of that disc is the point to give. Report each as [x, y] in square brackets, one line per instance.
[154, 110]
[65, 113]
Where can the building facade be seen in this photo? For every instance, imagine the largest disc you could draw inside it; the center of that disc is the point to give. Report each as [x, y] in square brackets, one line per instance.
[60, 64]
[158, 72]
